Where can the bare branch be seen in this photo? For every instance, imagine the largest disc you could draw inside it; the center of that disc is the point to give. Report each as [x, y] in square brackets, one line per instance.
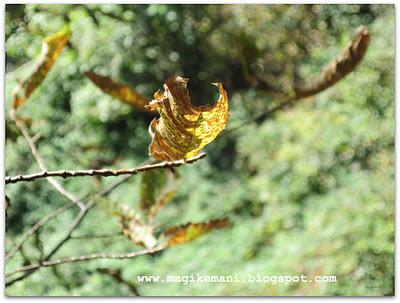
[101, 193]
[99, 236]
[36, 227]
[81, 215]
[74, 259]
[102, 172]
[21, 126]
[285, 102]
[75, 201]
[56, 213]
[83, 208]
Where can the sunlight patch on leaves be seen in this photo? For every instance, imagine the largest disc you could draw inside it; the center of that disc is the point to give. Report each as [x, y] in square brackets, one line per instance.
[157, 188]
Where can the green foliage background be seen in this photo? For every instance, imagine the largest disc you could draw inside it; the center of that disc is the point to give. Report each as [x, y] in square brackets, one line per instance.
[310, 191]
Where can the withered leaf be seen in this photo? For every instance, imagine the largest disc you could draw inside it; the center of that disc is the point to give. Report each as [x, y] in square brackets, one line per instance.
[118, 90]
[51, 49]
[338, 68]
[157, 188]
[160, 203]
[182, 234]
[138, 232]
[130, 223]
[183, 130]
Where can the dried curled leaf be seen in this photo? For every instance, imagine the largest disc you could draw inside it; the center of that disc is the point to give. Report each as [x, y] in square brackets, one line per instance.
[130, 223]
[119, 91]
[51, 49]
[138, 232]
[182, 234]
[183, 130]
[339, 67]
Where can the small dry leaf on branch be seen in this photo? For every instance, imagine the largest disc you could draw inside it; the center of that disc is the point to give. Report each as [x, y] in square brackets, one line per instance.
[338, 68]
[138, 232]
[183, 130]
[189, 232]
[157, 188]
[119, 91]
[130, 223]
[51, 49]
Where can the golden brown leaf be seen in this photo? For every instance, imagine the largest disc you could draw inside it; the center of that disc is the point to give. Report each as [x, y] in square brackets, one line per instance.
[339, 67]
[119, 91]
[182, 234]
[51, 49]
[183, 130]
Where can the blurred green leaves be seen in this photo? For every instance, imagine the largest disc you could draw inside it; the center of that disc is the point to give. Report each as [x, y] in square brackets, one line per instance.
[157, 188]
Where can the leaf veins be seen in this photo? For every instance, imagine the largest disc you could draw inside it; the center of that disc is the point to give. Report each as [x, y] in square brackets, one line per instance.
[183, 130]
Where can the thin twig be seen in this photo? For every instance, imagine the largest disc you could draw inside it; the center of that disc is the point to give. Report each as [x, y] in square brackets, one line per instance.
[56, 213]
[81, 215]
[83, 208]
[99, 236]
[336, 70]
[94, 256]
[101, 193]
[101, 172]
[21, 126]
[75, 201]
[285, 102]
[36, 227]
